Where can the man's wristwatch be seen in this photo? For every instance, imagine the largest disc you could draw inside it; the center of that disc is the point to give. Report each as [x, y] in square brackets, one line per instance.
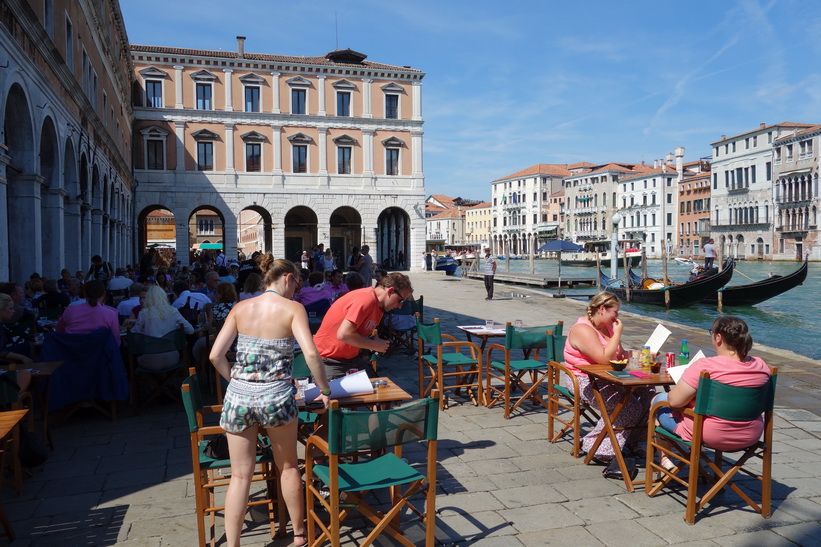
[326, 391]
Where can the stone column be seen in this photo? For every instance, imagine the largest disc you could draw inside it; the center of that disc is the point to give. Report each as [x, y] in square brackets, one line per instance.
[73, 246]
[182, 237]
[367, 152]
[4, 207]
[323, 151]
[416, 152]
[53, 230]
[367, 104]
[178, 86]
[320, 84]
[229, 90]
[229, 148]
[416, 89]
[24, 220]
[275, 88]
[96, 230]
[179, 130]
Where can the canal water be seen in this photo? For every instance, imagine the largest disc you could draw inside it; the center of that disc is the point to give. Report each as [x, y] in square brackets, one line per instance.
[785, 321]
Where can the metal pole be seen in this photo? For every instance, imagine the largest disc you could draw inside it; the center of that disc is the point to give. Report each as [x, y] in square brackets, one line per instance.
[614, 241]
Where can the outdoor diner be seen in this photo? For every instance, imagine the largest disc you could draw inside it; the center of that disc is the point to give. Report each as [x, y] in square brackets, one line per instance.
[324, 424]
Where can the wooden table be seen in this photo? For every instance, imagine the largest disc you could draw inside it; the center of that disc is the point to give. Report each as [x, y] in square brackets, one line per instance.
[381, 398]
[41, 373]
[482, 332]
[8, 421]
[599, 374]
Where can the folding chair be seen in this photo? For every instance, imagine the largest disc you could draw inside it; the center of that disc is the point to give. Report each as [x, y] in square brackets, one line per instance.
[113, 298]
[362, 432]
[142, 344]
[316, 311]
[561, 401]
[733, 403]
[399, 326]
[12, 399]
[512, 372]
[206, 479]
[435, 370]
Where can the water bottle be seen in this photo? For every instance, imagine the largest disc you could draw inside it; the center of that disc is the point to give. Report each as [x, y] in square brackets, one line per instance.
[684, 353]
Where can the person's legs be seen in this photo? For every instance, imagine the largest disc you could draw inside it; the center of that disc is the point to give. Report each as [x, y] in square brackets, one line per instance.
[666, 419]
[242, 447]
[283, 442]
[489, 286]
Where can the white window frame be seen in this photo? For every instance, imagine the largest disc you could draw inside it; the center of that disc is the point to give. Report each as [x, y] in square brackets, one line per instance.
[392, 88]
[253, 137]
[205, 135]
[345, 141]
[344, 87]
[155, 133]
[69, 43]
[302, 84]
[205, 78]
[249, 81]
[393, 143]
[301, 139]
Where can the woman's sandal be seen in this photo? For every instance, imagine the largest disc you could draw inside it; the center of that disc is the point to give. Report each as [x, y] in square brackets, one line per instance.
[304, 538]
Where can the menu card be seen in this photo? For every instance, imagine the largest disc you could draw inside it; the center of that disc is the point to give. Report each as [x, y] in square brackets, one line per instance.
[658, 338]
[357, 383]
[676, 372]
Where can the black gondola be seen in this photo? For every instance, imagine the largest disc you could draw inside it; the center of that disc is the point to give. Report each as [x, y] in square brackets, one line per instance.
[681, 296]
[753, 293]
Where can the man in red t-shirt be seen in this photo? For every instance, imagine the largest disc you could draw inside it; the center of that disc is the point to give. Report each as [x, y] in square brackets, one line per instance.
[349, 323]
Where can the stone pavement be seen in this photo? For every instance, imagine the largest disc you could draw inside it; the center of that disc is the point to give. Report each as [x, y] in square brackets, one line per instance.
[500, 482]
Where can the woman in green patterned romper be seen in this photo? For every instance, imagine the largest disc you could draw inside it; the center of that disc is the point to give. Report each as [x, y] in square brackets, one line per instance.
[260, 392]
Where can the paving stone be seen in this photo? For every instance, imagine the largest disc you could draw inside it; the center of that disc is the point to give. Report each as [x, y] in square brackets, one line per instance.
[806, 533]
[590, 488]
[58, 505]
[600, 509]
[572, 535]
[485, 450]
[485, 468]
[471, 527]
[625, 533]
[675, 527]
[803, 509]
[762, 538]
[524, 478]
[528, 495]
[468, 502]
[547, 517]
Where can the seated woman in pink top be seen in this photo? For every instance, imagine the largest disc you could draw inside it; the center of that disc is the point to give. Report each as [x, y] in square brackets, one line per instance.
[596, 339]
[733, 366]
[91, 314]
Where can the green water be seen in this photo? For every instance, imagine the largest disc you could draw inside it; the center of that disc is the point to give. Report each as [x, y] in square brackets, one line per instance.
[782, 322]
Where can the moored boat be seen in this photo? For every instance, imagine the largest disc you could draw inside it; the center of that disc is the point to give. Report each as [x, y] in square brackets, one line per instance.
[681, 296]
[587, 257]
[754, 293]
[446, 264]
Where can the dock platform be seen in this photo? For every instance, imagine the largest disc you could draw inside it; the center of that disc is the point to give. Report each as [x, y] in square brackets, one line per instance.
[534, 280]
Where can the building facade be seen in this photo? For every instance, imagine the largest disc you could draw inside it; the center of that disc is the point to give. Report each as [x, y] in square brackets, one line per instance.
[325, 149]
[796, 195]
[521, 204]
[742, 190]
[645, 203]
[693, 214]
[66, 187]
[478, 221]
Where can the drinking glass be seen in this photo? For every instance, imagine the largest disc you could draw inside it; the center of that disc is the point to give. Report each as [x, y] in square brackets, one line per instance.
[301, 386]
[489, 323]
[519, 323]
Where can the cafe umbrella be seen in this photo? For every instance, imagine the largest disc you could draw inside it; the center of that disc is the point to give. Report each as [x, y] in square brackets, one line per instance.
[558, 246]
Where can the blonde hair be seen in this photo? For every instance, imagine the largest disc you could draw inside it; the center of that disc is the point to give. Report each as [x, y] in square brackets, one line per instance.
[156, 303]
[605, 299]
[5, 302]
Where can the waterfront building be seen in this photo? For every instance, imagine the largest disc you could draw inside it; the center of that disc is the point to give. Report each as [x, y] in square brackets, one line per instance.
[645, 203]
[447, 227]
[325, 149]
[66, 189]
[796, 195]
[521, 204]
[591, 199]
[742, 190]
[693, 214]
[555, 212]
[478, 220]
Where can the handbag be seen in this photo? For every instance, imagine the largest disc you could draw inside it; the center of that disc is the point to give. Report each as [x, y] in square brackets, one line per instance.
[612, 471]
[217, 447]
[188, 313]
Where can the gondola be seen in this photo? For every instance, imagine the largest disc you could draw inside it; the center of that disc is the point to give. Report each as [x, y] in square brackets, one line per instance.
[681, 296]
[754, 293]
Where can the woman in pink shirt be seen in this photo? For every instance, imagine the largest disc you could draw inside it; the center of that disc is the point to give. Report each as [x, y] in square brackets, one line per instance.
[90, 315]
[733, 366]
[596, 339]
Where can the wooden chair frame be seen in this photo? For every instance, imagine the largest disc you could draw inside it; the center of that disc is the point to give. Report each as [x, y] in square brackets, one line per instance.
[402, 338]
[467, 372]
[560, 400]
[684, 453]
[206, 480]
[385, 521]
[514, 371]
[160, 377]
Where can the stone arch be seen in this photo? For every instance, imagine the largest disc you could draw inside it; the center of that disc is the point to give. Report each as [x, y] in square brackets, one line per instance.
[157, 228]
[392, 236]
[206, 223]
[254, 230]
[740, 252]
[345, 232]
[23, 188]
[301, 225]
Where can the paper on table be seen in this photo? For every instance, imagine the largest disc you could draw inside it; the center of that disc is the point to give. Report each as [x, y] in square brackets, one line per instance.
[357, 383]
[658, 338]
[676, 372]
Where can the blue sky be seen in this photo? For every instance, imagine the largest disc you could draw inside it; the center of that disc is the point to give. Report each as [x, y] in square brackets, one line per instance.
[511, 84]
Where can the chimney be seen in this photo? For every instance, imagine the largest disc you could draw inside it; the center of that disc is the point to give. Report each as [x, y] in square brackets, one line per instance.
[241, 46]
[723, 137]
[762, 126]
[680, 161]
[655, 164]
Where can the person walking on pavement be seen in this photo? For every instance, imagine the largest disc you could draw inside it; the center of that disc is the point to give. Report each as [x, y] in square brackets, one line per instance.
[490, 271]
[709, 255]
